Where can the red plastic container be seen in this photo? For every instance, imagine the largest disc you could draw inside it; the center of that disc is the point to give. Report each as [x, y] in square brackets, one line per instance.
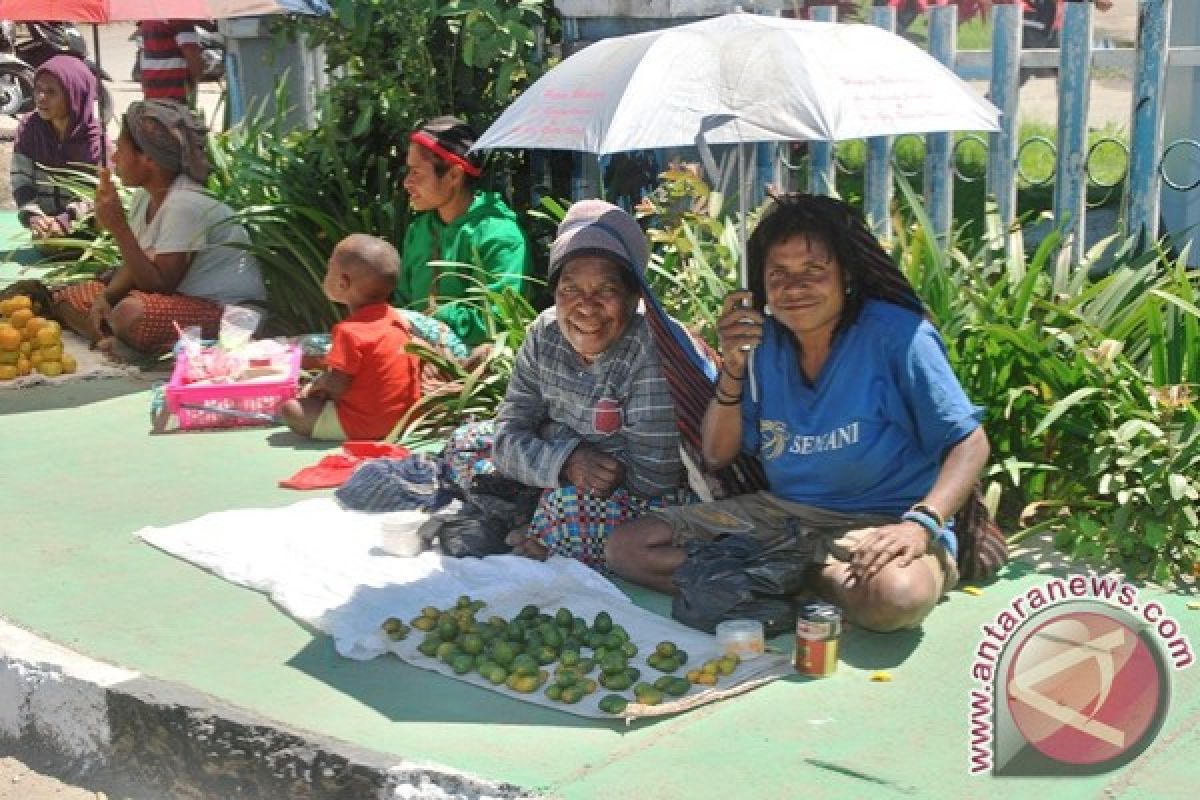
[229, 405]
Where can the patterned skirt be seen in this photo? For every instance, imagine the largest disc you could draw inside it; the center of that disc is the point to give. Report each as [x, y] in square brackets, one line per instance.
[577, 524]
[567, 522]
[155, 331]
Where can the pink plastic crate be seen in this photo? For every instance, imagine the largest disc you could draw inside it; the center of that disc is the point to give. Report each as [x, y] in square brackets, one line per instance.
[201, 406]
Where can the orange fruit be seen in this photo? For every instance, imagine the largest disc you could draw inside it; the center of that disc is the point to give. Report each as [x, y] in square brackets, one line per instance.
[35, 323]
[8, 372]
[19, 301]
[24, 367]
[68, 363]
[19, 317]
[35, 357]
[9, 356]
[52, 353]
[50, 368]
[26, 347]
[45, 335]
[10, 339]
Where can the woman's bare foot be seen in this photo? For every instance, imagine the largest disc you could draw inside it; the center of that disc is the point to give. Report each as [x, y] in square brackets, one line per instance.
[116, 350]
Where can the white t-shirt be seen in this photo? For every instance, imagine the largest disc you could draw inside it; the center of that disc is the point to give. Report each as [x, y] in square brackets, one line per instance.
[193, 221]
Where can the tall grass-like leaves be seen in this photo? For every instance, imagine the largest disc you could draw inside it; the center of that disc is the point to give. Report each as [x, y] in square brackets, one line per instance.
[473, 393]
[1088, 386]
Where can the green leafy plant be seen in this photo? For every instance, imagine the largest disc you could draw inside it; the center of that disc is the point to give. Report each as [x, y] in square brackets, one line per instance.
[1071, 371]
[474, 389]
[696, 249]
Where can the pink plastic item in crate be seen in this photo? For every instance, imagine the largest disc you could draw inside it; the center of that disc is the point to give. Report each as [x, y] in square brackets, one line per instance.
[229, 405]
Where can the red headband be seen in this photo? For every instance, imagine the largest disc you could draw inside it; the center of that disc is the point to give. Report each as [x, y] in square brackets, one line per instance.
[431, 144]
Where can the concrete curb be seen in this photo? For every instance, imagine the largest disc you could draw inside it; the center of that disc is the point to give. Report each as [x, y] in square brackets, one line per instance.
[133, 736]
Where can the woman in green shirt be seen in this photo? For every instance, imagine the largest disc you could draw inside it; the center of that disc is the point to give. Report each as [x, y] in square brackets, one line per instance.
[458, 223]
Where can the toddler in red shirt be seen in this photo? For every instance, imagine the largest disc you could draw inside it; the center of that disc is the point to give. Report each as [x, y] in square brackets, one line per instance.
[370, 380]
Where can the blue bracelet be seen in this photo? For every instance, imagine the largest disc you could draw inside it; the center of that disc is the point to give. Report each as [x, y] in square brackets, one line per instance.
[943, 536]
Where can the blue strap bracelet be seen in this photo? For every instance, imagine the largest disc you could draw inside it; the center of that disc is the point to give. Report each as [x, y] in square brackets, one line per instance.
[941, 535]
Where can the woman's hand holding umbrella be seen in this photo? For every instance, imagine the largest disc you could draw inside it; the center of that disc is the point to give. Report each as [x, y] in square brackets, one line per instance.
[740, 330]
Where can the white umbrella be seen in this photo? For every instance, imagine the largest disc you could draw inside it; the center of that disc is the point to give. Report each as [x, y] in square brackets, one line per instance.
[773, 79]
[736, 79]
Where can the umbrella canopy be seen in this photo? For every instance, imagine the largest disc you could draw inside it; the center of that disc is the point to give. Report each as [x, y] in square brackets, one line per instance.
[739, 78]
[105, 11]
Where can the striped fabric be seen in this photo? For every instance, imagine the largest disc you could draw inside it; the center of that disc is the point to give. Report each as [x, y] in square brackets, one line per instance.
[691, 379]
[165, 72]
[620, 405]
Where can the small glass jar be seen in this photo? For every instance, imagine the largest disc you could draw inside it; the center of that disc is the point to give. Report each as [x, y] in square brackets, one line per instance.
[741, 637]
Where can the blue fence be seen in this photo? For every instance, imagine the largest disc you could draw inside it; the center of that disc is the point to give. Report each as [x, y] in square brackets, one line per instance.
[1001, 67]
[1075, 60]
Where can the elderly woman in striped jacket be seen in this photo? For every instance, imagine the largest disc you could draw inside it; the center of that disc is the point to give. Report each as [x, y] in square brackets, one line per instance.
[589, 415]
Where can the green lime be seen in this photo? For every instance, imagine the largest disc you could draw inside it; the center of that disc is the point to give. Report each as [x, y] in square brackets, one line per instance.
[395, 629]
[563, 618]
[613, 704]
[448, 629]
[613, 663]
[471, 643]
[502, 653]
[602, 623]
[617, 682]
[524, 664]
[678, 687]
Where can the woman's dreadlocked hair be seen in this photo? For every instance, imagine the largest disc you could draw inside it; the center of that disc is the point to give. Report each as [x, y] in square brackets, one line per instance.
[867, 271]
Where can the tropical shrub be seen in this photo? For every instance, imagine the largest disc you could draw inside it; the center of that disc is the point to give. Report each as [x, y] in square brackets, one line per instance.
[1078, 377]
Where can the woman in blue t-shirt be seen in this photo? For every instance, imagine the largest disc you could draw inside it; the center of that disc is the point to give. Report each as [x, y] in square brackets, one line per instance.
[836, 382]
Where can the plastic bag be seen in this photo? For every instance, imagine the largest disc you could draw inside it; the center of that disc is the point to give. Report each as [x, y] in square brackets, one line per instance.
[493, 507]
[238, 325]
[742, 577]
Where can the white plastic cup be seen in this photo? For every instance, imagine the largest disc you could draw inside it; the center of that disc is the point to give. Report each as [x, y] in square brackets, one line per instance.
[399, 533]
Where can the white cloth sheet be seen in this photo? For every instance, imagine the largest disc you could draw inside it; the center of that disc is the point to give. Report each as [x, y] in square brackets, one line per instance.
[324, 566]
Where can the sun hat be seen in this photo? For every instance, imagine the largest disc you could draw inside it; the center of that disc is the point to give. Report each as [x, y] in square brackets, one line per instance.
[598, 227]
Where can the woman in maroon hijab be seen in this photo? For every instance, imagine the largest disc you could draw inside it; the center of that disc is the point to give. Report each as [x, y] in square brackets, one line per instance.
[63, 132]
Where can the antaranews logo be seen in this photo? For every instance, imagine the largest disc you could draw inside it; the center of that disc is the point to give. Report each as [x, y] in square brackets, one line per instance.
[1074, 678]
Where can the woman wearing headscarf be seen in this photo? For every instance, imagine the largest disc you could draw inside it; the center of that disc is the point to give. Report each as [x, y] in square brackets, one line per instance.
[61, 133]
[182, 259]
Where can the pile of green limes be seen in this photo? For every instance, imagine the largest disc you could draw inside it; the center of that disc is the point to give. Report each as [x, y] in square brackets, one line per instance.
[520, 652]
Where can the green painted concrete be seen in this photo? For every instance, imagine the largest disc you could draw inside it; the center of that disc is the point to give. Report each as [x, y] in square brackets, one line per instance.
[80, 472]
